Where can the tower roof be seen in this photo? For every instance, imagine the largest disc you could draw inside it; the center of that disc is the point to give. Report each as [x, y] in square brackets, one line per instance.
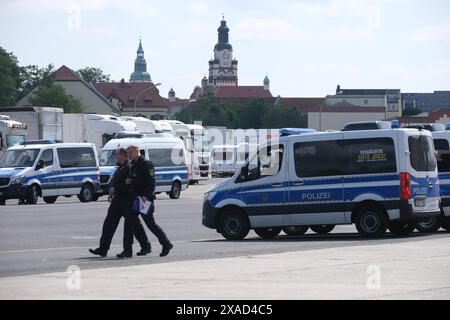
[140, 66]
[223, 42]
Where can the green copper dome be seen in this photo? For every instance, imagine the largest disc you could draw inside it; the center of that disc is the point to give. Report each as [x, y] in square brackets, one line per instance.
[140, 67]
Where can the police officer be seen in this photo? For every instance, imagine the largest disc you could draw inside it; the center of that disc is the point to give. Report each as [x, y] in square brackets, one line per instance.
[142, 182]
[118, 197]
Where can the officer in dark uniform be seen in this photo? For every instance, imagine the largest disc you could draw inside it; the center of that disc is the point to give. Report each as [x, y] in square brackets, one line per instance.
[142, 182]
[118, 197]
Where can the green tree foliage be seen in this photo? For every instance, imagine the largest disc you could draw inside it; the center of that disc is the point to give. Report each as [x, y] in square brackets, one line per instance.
[91, 74]
[410, 110]
[252, 114]
[51, 95]
[9, 72]
[32, 76]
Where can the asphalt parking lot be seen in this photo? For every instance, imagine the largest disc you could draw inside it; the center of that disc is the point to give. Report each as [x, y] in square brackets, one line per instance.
[45, 238]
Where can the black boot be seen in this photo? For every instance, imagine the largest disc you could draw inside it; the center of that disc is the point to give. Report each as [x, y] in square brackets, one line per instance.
[166, 249]
[99, 252]
[125, 254]
[145, 250]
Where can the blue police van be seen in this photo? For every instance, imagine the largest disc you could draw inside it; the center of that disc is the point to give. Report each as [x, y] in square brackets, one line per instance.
[441, 138]
[167, 153]
[48, 169]
[376, 179]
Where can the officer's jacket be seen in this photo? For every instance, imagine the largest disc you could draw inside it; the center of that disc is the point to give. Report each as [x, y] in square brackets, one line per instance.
[118, 180]
[143, 174]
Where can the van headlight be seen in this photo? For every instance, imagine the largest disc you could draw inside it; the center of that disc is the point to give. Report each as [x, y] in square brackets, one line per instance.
[17, 180]
[209, 196]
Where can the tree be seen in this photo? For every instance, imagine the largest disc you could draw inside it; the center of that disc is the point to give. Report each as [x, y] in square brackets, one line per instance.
[91, 74]
[280, 117]
[31, 77]
[51, 95]
[9, 71]
[411, 110]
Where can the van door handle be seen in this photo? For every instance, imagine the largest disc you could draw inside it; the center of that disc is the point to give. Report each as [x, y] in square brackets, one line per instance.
[298, 183]
[277, 185]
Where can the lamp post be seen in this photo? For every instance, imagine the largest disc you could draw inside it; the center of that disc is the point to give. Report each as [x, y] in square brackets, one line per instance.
[141, 93]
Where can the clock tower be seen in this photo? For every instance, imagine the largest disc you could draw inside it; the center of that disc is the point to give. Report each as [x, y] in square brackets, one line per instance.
[223, 68]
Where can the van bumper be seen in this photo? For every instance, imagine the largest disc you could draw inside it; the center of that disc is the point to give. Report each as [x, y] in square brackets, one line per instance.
[16, 191]
[408, 213]
[209, 215]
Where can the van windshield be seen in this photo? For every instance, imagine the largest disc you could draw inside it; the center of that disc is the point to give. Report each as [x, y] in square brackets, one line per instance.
[421, 153]
[19, 158]
[108, 158]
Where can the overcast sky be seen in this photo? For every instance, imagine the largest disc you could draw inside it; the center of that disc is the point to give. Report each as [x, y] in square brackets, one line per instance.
[305, 47]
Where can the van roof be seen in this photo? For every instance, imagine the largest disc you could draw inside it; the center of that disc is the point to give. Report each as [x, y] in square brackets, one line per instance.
[40, 146]
[115, 143]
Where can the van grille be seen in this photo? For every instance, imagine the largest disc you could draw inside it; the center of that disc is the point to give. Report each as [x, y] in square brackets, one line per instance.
[4, 182]
[104, 178]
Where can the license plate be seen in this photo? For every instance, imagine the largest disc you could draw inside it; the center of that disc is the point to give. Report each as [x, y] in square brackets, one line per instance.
[419, 202]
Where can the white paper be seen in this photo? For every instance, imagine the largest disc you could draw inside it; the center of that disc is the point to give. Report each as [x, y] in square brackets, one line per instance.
[144, 207]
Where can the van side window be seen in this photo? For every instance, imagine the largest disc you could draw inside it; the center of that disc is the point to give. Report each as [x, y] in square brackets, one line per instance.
[421, 153]
[76, 157]
[369, 156]
[167, 157]
[443, 154]
[317, 159]
[267, 162]
[47, 157]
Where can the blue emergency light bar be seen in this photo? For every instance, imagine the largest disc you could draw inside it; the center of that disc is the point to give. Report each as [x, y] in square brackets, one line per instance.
[33, 142]
[395, 124]
[294, 131]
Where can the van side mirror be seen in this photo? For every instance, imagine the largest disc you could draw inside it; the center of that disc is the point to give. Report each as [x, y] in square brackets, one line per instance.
[40, 165]
[243, 174]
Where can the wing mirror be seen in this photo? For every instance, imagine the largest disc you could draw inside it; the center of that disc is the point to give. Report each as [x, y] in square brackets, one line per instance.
[40, 165]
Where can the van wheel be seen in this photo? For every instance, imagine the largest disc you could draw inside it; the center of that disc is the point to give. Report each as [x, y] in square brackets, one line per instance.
[50, 200]
[234, 225]
[402, 228]
[446, 223]
[323, 229]
[371, 221]
[267, 233]
[87, 193]
[175, 192]
[295, 230]
[429, 225]
[96, 197]
[33, 195]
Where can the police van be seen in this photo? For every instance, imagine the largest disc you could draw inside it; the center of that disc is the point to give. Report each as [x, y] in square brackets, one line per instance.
[48, 169]
[167, 154]
[375, 179]
[441, 139]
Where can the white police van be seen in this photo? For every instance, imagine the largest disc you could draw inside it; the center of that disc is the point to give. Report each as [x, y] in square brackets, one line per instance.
[376, 179]
[49, 169]
[441, 139]
[167, 153]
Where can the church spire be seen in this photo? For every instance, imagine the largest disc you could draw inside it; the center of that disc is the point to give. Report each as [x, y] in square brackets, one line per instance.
[140, 73]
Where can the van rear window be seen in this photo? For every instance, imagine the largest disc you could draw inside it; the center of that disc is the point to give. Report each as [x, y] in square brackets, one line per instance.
[443, 154]
[421, 155]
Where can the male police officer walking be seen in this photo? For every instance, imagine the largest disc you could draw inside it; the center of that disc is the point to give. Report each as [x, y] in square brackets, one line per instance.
[118, 197]
[142, 182]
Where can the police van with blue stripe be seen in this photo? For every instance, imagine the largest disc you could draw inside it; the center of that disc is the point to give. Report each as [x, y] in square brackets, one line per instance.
[441, 138]
[48, 169]
[167, 154]
[376, 179]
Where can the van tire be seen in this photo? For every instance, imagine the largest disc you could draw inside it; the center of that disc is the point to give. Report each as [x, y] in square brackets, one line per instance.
[233, 225]
[96, 197]
[429, 225]
[295, 230]
[268, 233]
[175, 192]
[50, 200]
[323, 229]
[33, 195]
[86, 193]
[371, 221]
[446, 223]
[402, 228]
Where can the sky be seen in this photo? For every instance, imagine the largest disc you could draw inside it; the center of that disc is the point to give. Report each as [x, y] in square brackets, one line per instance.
[305, 47]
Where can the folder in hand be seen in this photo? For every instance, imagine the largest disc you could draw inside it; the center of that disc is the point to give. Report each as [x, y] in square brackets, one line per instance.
[141, 207]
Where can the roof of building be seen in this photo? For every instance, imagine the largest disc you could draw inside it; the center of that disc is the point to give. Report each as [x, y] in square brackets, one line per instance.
[300, 103]
[239, 92]
[127, 92]
[367, 92]
[431, 118]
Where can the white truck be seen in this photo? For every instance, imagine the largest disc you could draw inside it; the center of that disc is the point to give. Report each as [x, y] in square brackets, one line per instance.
[11, 133]
[43, 123]
[144, 125]
[96, 129]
